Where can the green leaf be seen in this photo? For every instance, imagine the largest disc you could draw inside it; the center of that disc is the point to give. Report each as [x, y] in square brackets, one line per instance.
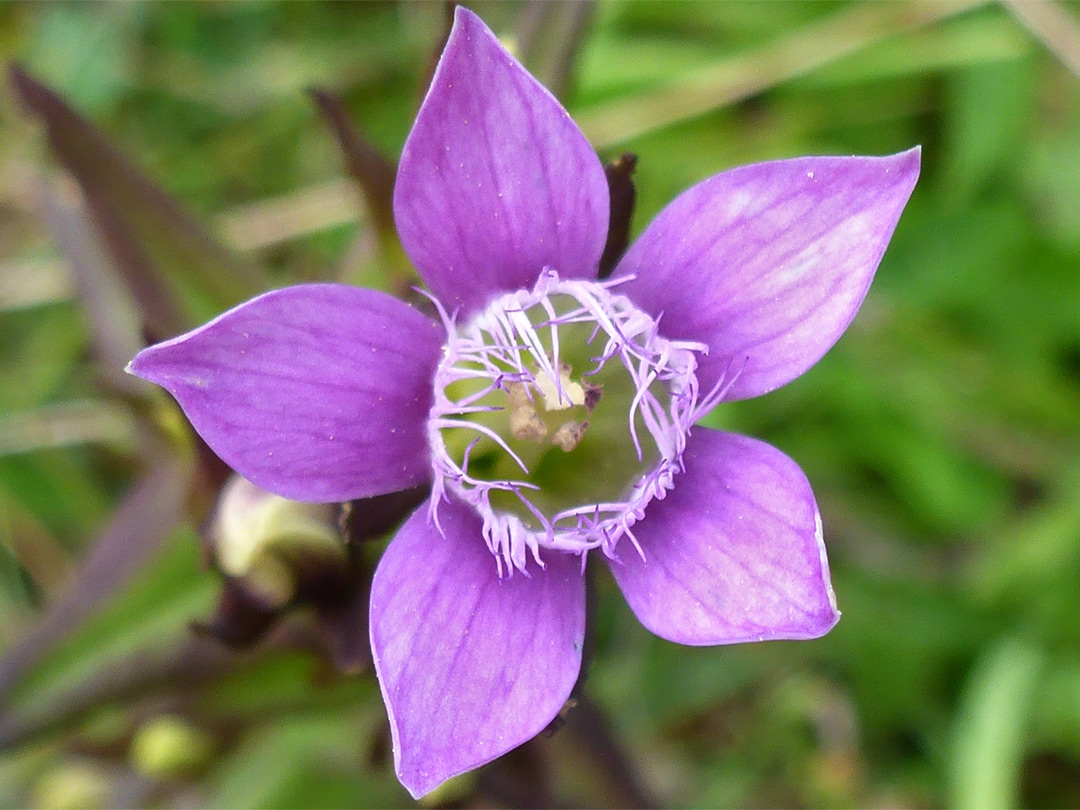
[1055, 723]
[990, 735]
[988, 111]
[311, 760]
[984, 37]
[731, 80]
[154, 609]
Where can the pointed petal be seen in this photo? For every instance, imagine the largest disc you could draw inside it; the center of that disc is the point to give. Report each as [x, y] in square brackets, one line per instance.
[734, 553]
[767, 264]
[470, 665]
[496, 182]
[317, 392]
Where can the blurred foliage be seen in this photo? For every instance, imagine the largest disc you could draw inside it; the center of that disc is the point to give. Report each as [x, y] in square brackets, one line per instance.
[942, 434]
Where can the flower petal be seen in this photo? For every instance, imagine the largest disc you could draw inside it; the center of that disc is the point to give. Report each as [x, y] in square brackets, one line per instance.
[317, 392]
[767, 264]
[734, 553]
[496, 182]
[470, 665]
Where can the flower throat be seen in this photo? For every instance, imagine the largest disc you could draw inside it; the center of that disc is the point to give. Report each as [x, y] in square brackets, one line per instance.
[559, 413]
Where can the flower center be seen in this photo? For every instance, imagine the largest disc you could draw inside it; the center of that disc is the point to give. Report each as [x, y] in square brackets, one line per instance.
[559, 413]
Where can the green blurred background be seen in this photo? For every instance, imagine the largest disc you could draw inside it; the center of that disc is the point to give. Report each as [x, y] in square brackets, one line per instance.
[942, 434]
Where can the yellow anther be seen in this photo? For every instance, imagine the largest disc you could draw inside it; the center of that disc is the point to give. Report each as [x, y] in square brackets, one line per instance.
[568, 435]
[525, 425]
[571, 394]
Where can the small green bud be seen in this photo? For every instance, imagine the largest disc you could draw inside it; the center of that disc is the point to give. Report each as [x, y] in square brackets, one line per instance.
[168, 746]
[73, 785]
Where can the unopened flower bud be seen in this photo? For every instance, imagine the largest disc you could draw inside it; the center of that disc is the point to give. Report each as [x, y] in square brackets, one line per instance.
[270, 542]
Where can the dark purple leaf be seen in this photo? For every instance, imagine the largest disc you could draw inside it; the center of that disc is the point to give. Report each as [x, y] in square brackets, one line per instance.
[548, 35]
[371, 171]
[344, 625]
[620, 179]
[436, 51]
[145, 518]
[591, 733]
[240, 619]
[371, 518]
[167, 259]
[115, 332]
[345, 622]
[179, 667]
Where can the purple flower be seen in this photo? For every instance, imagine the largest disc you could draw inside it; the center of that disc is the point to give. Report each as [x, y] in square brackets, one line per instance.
[551, 412]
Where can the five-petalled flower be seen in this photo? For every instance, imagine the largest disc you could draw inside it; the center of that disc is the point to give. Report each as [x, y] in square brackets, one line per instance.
[552, 413]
